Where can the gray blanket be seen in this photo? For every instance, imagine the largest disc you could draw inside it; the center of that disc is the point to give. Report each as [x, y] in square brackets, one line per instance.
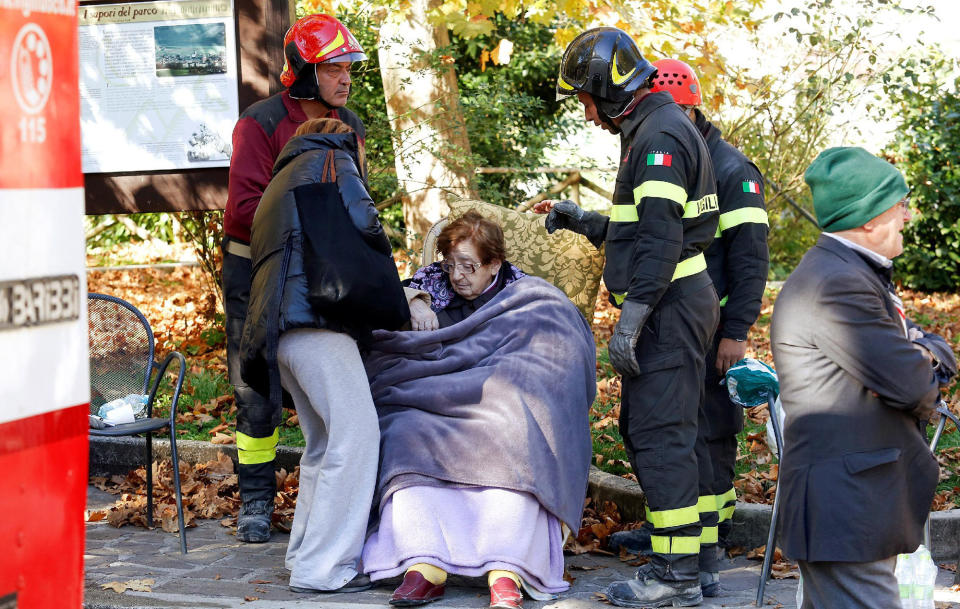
[499, 399]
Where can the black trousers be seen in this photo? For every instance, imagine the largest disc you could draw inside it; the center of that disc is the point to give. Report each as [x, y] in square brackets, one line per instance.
[257, 419]
[720, 422]
[659, 416]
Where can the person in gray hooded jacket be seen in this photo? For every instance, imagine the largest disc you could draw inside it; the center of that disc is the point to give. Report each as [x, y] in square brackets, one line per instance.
[315, 356]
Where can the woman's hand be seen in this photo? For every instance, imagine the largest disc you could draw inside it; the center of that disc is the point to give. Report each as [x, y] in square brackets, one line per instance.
[422, 316]
[544, 207]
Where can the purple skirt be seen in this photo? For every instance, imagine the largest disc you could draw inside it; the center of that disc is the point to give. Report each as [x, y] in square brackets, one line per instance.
[468, 531]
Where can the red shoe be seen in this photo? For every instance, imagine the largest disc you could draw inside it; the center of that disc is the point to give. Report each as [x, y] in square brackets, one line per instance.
[504, 594]
[415, 590]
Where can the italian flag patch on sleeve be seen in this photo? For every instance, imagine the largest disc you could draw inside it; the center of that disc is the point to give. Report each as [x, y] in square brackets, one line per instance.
[659, 158]
[751, 186]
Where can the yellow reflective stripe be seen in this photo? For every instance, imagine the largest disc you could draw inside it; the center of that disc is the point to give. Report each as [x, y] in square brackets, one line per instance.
[717, 236]
[744, 215]
[624, 213]
[723, 301]
[675, 545]
[709, 535]
[693, 209]
[619, 298]
[251, 451]
[662, 190]
[728, 497]
[336, 42]
[674, 518]
[690, 266]
[615, 74]
[707, 503]
[726, 513]
[563, 84]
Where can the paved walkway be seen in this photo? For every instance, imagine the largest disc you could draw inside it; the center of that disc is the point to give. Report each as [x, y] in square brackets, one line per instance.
[218, 571]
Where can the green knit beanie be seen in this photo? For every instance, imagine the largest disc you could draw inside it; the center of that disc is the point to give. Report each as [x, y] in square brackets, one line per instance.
[850, 187]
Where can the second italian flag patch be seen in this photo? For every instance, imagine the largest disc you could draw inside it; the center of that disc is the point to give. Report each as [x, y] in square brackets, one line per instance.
[659, 158]
[751, 186]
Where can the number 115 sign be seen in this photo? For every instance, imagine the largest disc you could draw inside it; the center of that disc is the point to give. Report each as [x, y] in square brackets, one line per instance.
[39, 95]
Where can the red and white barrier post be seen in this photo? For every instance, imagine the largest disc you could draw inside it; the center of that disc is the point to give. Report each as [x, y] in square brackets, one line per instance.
[44, 383]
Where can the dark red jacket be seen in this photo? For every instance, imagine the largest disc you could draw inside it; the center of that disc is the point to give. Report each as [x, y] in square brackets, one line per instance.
[260, 134]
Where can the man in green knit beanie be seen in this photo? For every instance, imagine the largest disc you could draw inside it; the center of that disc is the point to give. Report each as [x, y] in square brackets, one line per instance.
[858, 381]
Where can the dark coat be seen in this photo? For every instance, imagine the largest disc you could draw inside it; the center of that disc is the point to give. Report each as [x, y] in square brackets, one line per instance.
[665, 210]
[857, 477]
[278, 289]
[737, 262]
[738, 258]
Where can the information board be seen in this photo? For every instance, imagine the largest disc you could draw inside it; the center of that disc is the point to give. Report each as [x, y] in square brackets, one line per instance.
[158, 85]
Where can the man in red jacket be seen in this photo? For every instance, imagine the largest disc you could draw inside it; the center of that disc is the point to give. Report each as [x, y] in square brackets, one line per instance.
[319, 52]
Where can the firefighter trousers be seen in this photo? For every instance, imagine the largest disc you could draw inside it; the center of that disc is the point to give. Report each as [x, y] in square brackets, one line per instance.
[659, 416]
[720, 421]
[257, 420]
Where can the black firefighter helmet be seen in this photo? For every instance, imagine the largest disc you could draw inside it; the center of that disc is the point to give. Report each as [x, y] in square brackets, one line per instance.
[606, 63]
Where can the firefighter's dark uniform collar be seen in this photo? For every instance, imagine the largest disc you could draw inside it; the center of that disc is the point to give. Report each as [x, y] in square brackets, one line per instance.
[648, 104]
[707, 129]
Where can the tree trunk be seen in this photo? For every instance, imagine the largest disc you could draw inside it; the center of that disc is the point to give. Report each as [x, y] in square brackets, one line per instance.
[429, 135]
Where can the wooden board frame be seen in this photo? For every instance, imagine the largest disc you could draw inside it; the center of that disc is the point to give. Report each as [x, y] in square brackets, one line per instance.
[259, 29]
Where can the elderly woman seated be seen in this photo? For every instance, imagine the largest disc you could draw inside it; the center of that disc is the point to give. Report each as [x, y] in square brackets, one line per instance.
[485, 445]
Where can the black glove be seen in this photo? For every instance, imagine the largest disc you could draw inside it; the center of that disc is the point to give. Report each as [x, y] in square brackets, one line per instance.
[567, 214]
[623, 343]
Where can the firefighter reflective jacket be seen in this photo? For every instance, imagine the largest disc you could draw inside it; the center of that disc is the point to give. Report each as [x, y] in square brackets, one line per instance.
[665, 209]
[738, 258]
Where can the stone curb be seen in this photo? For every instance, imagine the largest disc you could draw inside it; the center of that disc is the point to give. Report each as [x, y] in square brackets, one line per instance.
[110, 456]
[751, 521]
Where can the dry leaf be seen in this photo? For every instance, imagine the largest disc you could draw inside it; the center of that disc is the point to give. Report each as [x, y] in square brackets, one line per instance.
[95, 515]
[135, 585]
[221, 438]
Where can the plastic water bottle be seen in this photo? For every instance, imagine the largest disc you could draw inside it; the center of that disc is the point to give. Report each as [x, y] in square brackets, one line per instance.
[916, 577]
[137, 403]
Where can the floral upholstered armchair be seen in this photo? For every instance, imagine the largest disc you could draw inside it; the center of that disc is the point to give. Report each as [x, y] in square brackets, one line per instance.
[565, 259]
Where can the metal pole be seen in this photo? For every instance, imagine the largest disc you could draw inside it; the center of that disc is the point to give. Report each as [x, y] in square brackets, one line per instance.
[772, 531]
[944, 415]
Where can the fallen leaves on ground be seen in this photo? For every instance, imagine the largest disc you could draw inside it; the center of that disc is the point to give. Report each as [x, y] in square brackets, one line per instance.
[780, 568]
[134, 585]
[209, 490]
[598, 523]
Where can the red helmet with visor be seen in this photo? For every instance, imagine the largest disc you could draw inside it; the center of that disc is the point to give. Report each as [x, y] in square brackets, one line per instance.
[315, 39]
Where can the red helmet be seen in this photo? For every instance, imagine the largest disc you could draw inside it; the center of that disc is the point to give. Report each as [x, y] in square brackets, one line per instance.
[317, 39]
[679, 80]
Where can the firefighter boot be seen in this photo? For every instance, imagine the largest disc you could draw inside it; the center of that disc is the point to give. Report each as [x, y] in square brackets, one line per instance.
[636, 541]
[253, 524]
[710, 570]
[648, 590]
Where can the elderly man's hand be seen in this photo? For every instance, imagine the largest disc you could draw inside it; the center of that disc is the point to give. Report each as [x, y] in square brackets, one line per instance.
[729, 352]
[422, 316]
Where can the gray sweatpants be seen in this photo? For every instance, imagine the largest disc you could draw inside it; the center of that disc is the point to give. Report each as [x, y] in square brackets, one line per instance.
[850, 585]
[323, 373]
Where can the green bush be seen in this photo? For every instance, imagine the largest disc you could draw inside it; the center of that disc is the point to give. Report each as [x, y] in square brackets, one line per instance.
[927, 151]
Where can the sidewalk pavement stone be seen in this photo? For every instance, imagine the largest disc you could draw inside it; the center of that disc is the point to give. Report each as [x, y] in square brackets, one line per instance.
[220, 572]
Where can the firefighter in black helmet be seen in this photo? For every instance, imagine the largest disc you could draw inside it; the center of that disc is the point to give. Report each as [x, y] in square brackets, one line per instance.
[664, 216]
[737, 262]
